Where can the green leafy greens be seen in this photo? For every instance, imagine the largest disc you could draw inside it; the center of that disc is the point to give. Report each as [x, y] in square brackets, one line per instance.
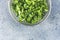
[30, 11]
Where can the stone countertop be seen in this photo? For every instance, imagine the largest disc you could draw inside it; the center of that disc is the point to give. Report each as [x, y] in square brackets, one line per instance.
[48, 30]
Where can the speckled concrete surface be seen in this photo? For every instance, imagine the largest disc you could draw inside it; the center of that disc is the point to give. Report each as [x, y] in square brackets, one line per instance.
[48, 30]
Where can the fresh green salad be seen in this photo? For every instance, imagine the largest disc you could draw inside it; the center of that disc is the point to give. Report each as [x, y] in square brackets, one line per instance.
[30, 11]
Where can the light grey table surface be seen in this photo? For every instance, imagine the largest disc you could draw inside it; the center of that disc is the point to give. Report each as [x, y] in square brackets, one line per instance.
[48, 30]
